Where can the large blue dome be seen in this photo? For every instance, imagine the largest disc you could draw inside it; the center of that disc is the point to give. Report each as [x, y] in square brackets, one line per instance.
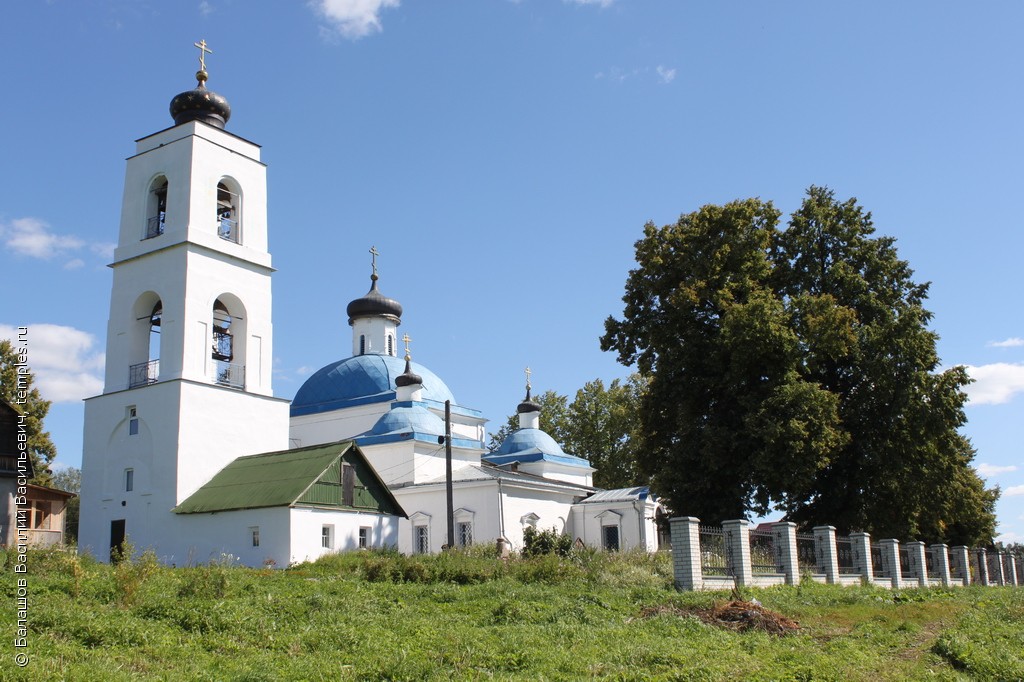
[360, 380]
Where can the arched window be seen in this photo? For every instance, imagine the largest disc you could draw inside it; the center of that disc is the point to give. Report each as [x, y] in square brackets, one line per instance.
[228, 349]
[145, 365]
[229, 213]
[223, 350]
[391, 345]
[362, 344]
[156, 207]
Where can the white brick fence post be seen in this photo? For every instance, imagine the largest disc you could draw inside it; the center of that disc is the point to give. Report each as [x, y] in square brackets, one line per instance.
[1010, 569]
[784, 533]
[940, 559]
[860, 543]
[918, 568]
[686, 557]
[737, 539]
[960, 566]
[825, 548]
[891, 561]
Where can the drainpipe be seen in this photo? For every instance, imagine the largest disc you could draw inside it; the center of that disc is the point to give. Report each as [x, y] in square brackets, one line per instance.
[640, 519]
[501, 516]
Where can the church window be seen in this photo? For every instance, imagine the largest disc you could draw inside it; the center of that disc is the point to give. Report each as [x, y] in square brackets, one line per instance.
[421, 539]
[156, 208]
[391, 345]
[254, 532]
[362, 344]
[129, 480]
[228, 214]
[327, 537]
[227, 371]
[464, 534]
[133, 421]
[364, 537]
[610, 538]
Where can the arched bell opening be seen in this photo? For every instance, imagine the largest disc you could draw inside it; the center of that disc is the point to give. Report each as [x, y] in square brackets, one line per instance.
[144, 341]
[228, 347]
[229, 211]
[156, 207]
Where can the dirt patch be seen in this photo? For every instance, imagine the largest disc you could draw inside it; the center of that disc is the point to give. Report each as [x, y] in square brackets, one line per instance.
[734, 615]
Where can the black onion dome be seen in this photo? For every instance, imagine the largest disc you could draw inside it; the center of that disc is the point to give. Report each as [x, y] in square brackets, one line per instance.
[374, 304]
[200, 104]
[408, 377]
[528, 404]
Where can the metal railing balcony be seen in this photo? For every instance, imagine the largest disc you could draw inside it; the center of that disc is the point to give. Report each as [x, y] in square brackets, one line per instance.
[231, 375]
[154, 226]
[143, 373]
[227, 229]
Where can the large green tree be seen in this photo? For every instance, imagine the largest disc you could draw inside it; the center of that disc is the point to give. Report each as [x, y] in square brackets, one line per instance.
[794, 369]
[40, 447]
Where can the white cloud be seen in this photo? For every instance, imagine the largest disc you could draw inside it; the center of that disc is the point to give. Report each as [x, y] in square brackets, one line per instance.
[988, 470]
[995, 384]
[303, 371]
[1013, 491]
[1013, 342]
[32, 237]
[104, 250]
[205, 8]
[74, 264]
[1009, 536]
[599, 3]
[354, 18]
[666, 74]
[65, 361]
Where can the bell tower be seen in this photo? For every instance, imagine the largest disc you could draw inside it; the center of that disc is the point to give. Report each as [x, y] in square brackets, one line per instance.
[189, 341]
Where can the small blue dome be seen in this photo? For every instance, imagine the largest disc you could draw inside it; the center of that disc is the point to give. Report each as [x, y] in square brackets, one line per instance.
[408, 418]
[529, 439]
[360, 380]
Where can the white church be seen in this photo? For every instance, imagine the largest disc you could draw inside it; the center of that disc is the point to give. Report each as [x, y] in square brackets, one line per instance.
[187, 452]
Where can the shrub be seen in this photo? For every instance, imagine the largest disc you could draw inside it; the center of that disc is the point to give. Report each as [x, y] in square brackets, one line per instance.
[538, 542]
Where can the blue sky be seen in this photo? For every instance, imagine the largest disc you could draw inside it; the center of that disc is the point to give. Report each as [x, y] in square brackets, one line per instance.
[503, 157]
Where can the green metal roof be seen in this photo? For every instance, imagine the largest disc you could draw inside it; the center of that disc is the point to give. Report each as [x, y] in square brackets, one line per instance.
[283, 479]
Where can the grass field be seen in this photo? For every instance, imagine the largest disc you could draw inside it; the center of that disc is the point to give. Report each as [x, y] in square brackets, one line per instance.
[379, 615]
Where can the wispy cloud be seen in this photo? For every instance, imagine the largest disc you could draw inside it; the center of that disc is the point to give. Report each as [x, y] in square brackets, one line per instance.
[1013, 491]
[666, 74]
[65, 361]
[988, 470]
[354, 19]
[33, 238]
[995, 384]
[599, 3]
[1012, 342]
[205, 8]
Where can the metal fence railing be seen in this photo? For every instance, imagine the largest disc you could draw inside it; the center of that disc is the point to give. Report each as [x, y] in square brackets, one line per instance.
[904, 562]
[806, 553]
[143, 373]
[844, 553]
[714, 552]
[763, 557]
[877, 566]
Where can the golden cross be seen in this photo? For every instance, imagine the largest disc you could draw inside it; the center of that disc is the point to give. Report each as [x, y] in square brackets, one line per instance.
[528, 373]
[374, 253]
[202, 53]
[407, 339]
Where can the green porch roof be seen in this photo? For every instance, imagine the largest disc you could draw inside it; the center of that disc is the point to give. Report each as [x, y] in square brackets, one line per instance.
[286, 479]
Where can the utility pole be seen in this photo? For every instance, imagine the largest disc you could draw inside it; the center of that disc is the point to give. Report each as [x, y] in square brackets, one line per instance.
[448, 472]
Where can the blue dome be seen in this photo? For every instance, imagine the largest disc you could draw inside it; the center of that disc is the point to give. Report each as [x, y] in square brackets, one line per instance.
[408, 418]
[360, 380]
[529, 439]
